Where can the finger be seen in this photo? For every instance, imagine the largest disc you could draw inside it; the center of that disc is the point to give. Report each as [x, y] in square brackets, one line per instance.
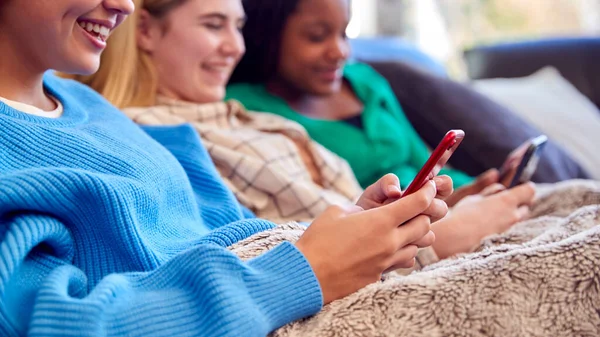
[402, 210]
[390, 185]
[445, 186]
[523, 194]
[426, 240]
[413, 231]
[437, 210]
[508, 176]
[523, 213]
[493, 189]
[520, 214]
[386, 187]
[488, 177]
[403, 258]
[351, 209]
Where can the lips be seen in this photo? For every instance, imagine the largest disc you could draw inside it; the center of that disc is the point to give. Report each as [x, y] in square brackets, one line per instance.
[96, 31]
[330, 74]
[220, 72]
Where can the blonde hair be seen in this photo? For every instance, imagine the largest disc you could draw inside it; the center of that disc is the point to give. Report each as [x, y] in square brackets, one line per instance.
[126, 76]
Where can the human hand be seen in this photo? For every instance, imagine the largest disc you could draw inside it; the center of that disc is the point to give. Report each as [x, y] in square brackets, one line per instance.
[387, 189]
[479, 216]
[484, 180]
[351, 248]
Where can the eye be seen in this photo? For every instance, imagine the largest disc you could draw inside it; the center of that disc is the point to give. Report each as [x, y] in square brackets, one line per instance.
[213, 26]
[315, 39]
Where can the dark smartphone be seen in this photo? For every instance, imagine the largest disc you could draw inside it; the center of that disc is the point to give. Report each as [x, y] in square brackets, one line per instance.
[439, 157]
[521, 164]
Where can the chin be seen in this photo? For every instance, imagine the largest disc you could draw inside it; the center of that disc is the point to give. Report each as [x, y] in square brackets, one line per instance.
[325, 90]
[90, 68]
[215, 95]
[82, 67]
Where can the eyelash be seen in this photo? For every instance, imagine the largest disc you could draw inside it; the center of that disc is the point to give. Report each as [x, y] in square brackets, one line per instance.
[213, 26]
[318, 39]
[218, 27]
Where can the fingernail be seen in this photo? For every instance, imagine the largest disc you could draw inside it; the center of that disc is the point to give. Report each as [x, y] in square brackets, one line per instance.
[393, 189]
[434, 184]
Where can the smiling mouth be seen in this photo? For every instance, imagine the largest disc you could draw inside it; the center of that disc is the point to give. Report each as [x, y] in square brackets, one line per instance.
[98, 31]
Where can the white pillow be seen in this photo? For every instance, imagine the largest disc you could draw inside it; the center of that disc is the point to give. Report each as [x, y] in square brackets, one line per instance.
[555, 107]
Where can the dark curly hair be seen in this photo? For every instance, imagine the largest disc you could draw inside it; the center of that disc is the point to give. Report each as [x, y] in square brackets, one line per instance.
[262, 34]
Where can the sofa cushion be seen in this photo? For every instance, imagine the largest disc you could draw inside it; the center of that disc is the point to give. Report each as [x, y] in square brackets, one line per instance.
[553, 105]
[435, 105]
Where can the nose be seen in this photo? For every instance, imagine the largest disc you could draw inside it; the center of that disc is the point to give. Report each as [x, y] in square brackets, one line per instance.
[123, 7]
[340, 49]
[234, 45]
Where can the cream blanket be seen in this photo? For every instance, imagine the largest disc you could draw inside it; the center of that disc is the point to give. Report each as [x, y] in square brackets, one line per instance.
[539, 279]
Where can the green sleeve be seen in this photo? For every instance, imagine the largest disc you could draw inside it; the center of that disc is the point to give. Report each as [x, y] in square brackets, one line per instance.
[418, 149]
[247, 95]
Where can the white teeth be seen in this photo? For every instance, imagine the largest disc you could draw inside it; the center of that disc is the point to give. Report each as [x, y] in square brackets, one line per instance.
[104, 31]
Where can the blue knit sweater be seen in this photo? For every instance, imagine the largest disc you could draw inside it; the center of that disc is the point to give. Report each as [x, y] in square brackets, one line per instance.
[105, 232]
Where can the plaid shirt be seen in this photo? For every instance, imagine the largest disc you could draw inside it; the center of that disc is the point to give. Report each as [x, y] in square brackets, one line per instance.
[260, 157]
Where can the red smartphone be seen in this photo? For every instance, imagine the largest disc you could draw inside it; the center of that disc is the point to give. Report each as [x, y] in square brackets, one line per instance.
[439, 157]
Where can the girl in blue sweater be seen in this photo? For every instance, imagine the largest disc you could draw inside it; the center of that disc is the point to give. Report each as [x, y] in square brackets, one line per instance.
[103, 231]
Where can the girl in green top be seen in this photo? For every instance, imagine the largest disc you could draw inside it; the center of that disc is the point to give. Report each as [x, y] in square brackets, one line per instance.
[295, 66]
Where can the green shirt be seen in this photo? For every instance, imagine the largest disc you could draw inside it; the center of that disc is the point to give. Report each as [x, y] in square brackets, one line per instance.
[387, 143]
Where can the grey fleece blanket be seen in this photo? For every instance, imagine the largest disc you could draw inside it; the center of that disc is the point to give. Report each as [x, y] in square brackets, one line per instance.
[541, 278]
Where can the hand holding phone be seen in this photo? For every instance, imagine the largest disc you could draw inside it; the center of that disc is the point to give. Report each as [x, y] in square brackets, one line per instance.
[439, 157]
[522, 162]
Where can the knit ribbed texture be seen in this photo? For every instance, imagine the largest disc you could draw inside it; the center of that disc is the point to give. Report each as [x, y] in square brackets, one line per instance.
[105, 232]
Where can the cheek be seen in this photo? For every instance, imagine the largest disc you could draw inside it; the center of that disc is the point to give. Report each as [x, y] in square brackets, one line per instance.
[300, 64]
[192, 48]
[176, 56]
[72, 54]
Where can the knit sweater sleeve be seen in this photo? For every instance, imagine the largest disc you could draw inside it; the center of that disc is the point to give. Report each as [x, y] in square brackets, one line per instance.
[104, 233]
[205, 291]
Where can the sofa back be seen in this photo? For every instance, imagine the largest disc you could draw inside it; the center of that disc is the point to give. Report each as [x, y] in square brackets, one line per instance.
[577, 59]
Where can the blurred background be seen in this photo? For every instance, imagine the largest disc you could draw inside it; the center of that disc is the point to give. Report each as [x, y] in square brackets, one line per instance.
[443, 29]
[506, 70]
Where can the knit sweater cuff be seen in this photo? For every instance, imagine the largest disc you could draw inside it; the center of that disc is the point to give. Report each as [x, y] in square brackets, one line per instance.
[288, 289]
